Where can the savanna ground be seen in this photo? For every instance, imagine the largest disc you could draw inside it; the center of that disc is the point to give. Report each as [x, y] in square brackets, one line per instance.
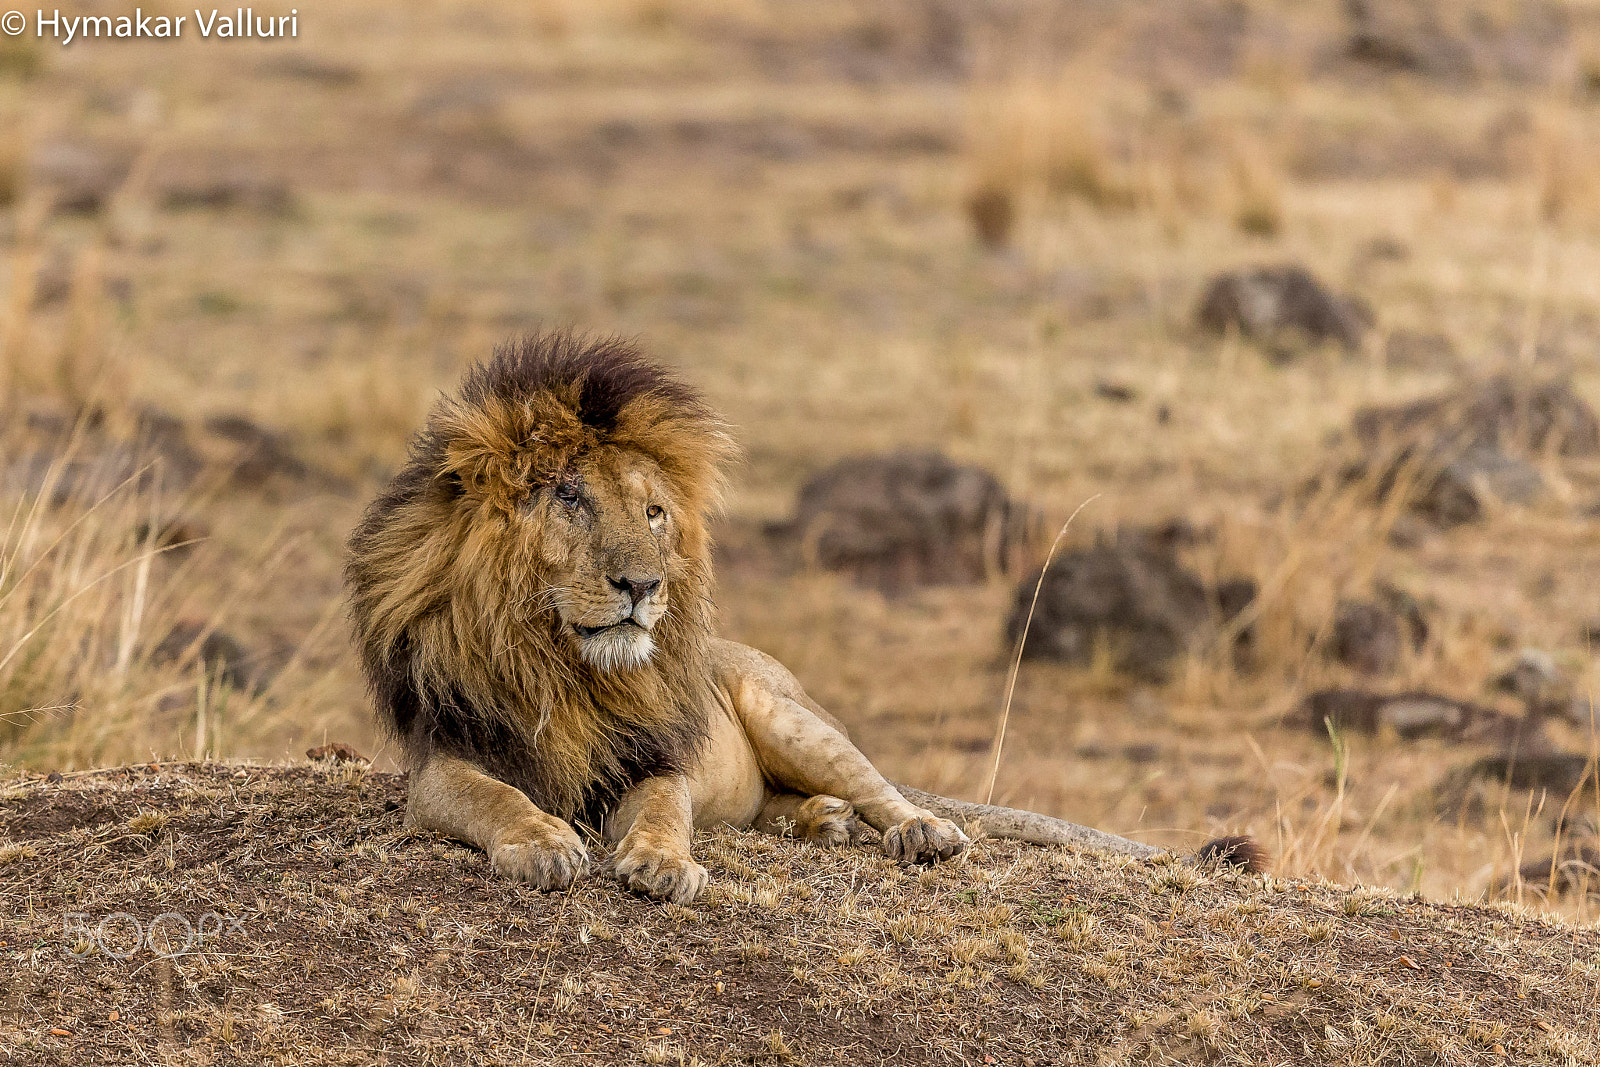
[350, 940]
[243, 270]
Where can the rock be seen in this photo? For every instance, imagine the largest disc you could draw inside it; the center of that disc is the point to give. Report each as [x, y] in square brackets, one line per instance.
[1543, 688]
[1284, 307]
[172, 539]
[1504, 413]
[1575, 870]
[1558, 773]
[338, 752]
[1458, 41]
[261, 456]
[224, 657]
[1366, 636]
[1405, 35]
[1133, 594]
[1411, 715]
[1371, 635]
[1460, 454]
[238, 190]
[910, 518]
[1471, 485]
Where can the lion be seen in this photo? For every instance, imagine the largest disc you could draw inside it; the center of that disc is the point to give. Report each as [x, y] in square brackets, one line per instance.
[532, 601]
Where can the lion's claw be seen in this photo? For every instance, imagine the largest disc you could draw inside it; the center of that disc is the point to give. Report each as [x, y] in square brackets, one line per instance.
[645, 868]
[548, 861]
[924, 839]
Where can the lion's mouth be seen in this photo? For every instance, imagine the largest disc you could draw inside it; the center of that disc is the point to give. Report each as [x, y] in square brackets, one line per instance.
[587, 632]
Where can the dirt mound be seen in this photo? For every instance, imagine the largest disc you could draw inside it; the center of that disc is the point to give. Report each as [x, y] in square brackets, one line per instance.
[252, 914]
[1133, 595]
[910, 518]
[1283, 307]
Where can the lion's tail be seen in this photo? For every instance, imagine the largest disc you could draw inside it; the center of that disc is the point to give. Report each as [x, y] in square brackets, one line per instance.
[1012, 824]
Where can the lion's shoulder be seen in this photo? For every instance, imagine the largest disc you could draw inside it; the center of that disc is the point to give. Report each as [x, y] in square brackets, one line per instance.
[737, 666]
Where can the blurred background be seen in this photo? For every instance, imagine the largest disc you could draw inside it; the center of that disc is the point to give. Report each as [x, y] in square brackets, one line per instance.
[1298, 302]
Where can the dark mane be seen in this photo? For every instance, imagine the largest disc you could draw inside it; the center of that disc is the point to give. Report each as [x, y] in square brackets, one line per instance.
[608, 373]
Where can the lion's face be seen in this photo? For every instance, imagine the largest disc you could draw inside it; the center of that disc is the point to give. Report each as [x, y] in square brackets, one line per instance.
[609, 537]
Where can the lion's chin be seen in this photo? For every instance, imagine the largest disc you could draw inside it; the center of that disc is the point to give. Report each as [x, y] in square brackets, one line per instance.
[623, 647]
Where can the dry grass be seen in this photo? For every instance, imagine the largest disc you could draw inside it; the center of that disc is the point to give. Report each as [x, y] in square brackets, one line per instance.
[780, 199]
[352, 941]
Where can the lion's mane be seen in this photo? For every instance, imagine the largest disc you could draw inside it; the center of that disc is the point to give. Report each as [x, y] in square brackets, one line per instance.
[461, 648]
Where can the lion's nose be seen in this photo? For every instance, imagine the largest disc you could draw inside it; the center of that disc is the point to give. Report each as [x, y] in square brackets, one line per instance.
[637, 587]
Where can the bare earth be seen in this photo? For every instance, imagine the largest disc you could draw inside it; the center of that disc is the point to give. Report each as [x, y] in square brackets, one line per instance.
[345, 939]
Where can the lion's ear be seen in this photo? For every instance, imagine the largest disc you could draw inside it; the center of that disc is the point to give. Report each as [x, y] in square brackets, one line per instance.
[481, 453]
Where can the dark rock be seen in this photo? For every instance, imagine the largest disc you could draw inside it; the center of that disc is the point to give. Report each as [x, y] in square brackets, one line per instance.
[1458, 41]
[1503, 413]
[224, 657]
[1371, 635]
[910, 518]
[1133, 594]
[1284, 307]
[1543, 688]
[1575, 870]
[1459, 454]
[1411, 715]
[1471, 485]
[240, 190]
[1141, 602]
[1558, 773]
[1366, 637]
[1405, 35]
[171, 538]
[261, 456]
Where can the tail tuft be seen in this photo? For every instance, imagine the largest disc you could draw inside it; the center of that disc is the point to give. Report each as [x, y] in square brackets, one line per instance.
[1240, 852]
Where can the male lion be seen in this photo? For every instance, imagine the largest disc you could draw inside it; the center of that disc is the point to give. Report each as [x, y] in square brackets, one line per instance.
[532, 601]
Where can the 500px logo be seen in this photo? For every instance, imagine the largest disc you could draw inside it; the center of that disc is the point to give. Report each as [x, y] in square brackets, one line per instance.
[121, 935]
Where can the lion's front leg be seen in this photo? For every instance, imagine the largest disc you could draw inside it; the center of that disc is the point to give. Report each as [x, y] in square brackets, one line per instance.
[524, 843]
[653, 827]
[801, 752]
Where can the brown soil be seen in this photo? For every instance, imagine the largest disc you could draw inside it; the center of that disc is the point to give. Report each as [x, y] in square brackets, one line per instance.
[345, 939]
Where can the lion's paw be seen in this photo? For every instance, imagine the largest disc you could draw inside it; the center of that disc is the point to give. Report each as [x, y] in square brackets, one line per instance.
[549, 861]
[828, 821]
[924, 839]
[646, 868]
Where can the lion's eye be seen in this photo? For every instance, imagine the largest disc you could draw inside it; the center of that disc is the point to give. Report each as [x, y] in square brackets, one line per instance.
[655, 513]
